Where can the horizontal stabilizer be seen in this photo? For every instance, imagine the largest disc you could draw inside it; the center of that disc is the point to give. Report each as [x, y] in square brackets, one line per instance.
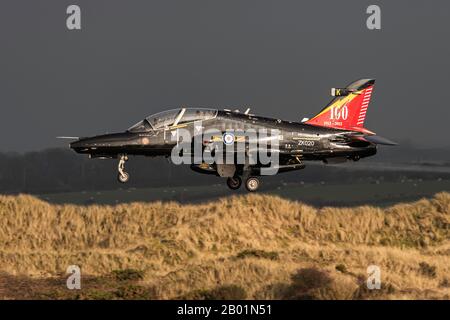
[70, 138]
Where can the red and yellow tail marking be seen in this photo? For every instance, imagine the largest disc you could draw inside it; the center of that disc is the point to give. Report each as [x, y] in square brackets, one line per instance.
[364, 105]
[345, 112]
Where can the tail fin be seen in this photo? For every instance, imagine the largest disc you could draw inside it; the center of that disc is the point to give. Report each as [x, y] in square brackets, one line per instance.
[348, 109]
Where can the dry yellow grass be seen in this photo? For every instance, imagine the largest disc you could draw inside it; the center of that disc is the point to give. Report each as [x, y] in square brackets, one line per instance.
[185, 248]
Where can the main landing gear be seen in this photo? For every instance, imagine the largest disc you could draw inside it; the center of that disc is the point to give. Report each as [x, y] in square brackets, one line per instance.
[251, 183]
[234, 183]
[122, 176]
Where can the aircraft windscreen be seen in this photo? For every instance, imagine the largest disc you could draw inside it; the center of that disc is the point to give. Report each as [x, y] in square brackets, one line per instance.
[141, 126]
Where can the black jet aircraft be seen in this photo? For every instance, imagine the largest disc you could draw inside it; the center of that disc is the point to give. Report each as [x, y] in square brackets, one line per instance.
[335, 134]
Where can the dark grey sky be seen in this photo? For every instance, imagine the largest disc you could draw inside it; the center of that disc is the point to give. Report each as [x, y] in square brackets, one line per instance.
[134, 58]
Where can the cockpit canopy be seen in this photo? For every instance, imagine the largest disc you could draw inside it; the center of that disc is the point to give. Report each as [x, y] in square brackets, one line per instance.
[171, 118]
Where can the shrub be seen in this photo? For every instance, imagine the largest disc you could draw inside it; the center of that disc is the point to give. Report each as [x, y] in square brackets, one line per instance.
[445, 283]
[341, 268]
[271, 255]
[427, 270]
[128, 275]
[304, 282]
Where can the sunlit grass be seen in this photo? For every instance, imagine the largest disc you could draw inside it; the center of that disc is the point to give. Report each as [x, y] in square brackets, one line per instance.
[255, 242]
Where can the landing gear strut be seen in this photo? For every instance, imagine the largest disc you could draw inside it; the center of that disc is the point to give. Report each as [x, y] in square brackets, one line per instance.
[234, 183]
[122, 176]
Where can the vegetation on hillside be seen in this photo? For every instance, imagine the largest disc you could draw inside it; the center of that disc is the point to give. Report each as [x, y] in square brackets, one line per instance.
[243, 247]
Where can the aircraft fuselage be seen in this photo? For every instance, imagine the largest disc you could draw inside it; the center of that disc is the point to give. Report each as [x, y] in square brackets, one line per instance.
[335, 134]
[296, 139]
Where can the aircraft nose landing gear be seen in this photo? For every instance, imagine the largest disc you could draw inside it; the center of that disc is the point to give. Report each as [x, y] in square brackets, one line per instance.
[122, 176]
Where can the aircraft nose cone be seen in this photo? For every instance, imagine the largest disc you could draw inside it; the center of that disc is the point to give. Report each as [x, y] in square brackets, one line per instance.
[75, 144]
[100, 143]
[80, 144]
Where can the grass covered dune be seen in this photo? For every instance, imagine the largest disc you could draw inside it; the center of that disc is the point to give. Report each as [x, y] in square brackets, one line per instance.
[251, 246]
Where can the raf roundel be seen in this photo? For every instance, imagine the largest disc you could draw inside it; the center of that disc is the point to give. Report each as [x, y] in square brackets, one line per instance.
[228, 138]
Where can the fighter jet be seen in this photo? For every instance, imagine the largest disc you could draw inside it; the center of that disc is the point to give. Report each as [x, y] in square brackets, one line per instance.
[335, 134]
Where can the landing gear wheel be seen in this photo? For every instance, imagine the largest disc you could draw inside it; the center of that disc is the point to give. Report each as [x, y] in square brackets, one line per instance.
[234, 183]
[123, 177]
[252, 184]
